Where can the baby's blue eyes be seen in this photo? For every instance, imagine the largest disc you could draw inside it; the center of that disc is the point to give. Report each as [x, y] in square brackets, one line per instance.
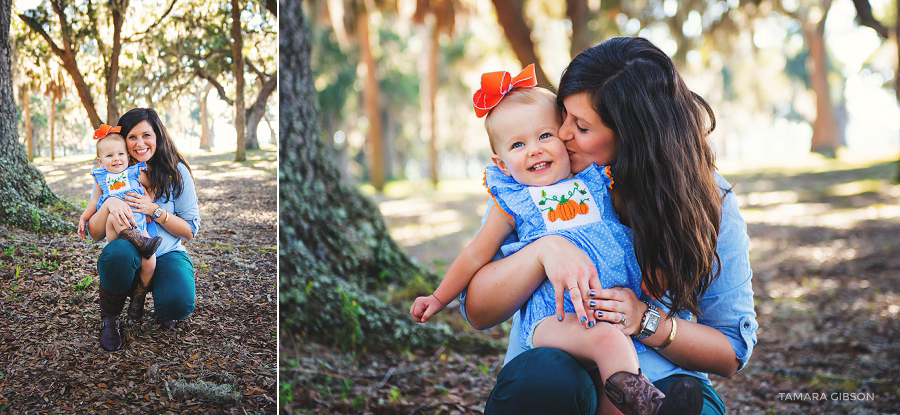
[518, 144]
[545, 135]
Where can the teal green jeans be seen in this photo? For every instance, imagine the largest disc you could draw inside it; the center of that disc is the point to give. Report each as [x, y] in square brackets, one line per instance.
[548, 381]
[172, 284]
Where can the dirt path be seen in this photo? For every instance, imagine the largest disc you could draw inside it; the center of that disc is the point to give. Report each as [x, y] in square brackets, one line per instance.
[50, 360]
[825, 253]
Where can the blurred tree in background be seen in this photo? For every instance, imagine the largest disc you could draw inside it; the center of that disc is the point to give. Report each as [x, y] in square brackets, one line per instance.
[782, 76]
[162, 54]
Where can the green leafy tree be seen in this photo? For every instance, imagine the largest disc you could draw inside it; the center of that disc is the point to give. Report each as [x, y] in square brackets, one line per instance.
[25, 199]
[72, 31]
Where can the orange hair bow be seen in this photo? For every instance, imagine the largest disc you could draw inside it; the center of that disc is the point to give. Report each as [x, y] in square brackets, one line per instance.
[105, 130]
[495, 86]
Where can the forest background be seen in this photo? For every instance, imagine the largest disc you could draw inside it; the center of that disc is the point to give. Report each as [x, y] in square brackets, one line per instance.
[382, 162]
[209, 68]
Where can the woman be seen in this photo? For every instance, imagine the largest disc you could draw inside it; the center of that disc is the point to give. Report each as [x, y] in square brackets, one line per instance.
[626, 106]
[176, 219]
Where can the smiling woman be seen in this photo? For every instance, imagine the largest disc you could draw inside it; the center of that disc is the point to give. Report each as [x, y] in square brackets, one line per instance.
[174, 218]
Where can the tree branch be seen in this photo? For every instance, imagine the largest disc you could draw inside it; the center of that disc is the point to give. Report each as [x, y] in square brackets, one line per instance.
[217, 85]
[34, 25]
[208, 54]
[255, 70]
[130, 39]
[865, 18]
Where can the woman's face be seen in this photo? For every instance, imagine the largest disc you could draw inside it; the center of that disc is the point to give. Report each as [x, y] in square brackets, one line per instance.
[587, 139]
[141, 142]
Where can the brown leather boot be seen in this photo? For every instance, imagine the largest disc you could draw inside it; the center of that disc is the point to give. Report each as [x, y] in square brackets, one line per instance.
[634, 394]
[145, 246]
[136, 307]
[111, 304]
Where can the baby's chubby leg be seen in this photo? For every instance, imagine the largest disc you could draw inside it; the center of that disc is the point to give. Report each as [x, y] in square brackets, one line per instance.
[603, 345]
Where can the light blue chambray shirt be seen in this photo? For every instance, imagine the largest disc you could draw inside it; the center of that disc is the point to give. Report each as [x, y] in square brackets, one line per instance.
[726, 306]
[185, 207]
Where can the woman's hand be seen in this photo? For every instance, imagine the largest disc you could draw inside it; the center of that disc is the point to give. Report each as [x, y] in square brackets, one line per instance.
[120, 211]
[614, 305]
[568, 269]
[140, 203]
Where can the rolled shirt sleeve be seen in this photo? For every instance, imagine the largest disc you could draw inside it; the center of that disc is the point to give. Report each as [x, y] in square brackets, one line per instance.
[185, 205]
[727, 305]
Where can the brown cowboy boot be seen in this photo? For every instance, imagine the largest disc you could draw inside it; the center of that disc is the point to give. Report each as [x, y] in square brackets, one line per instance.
[111, 305]
[136, 307]
[633, 394]
[145, 246]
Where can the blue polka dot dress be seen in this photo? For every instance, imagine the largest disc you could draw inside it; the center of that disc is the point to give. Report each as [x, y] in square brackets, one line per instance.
[117, 184]
[578, 209]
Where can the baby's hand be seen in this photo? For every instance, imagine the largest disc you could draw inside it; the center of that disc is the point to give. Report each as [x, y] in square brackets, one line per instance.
[424, 307]
[81, 225]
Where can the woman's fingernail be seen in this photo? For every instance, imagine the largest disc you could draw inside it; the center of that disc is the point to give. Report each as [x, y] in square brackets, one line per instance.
[590, 324]
[599, 314]
[591, 303]
[583, 319]
[591, 293]
[558, 318]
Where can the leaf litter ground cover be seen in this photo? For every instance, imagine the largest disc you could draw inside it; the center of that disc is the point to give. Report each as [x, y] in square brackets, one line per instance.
[825, 253]
[221, 359]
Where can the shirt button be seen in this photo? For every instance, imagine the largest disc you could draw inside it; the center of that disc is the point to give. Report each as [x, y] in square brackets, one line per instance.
[746, 325]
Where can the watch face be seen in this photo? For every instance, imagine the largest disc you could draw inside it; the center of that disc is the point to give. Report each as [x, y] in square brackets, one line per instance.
[652, 323]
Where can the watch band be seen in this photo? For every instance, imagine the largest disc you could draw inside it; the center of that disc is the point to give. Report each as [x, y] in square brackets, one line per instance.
[649, 322]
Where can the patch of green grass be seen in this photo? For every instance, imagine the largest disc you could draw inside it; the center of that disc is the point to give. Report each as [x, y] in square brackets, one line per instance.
[285, 392]
[394, 395]
[83, 284]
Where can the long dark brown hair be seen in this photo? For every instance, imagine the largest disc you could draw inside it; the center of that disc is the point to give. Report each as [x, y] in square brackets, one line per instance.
[162, 168]
[664, 166]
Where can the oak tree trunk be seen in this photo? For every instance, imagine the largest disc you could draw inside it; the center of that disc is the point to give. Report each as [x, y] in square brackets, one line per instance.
[257, 110]
[336, 258]
[117, 9]
[512, 19]
[577, 10]
[824, 134]
[204, 122]
[428, 94]
[24, 195]
[51, 121]
[237, 47]
[374, 144]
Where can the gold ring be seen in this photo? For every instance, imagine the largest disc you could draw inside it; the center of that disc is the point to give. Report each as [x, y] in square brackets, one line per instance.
[571, 288]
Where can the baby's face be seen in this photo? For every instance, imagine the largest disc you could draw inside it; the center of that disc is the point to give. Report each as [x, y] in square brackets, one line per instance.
[112, 155]
[527, 146]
